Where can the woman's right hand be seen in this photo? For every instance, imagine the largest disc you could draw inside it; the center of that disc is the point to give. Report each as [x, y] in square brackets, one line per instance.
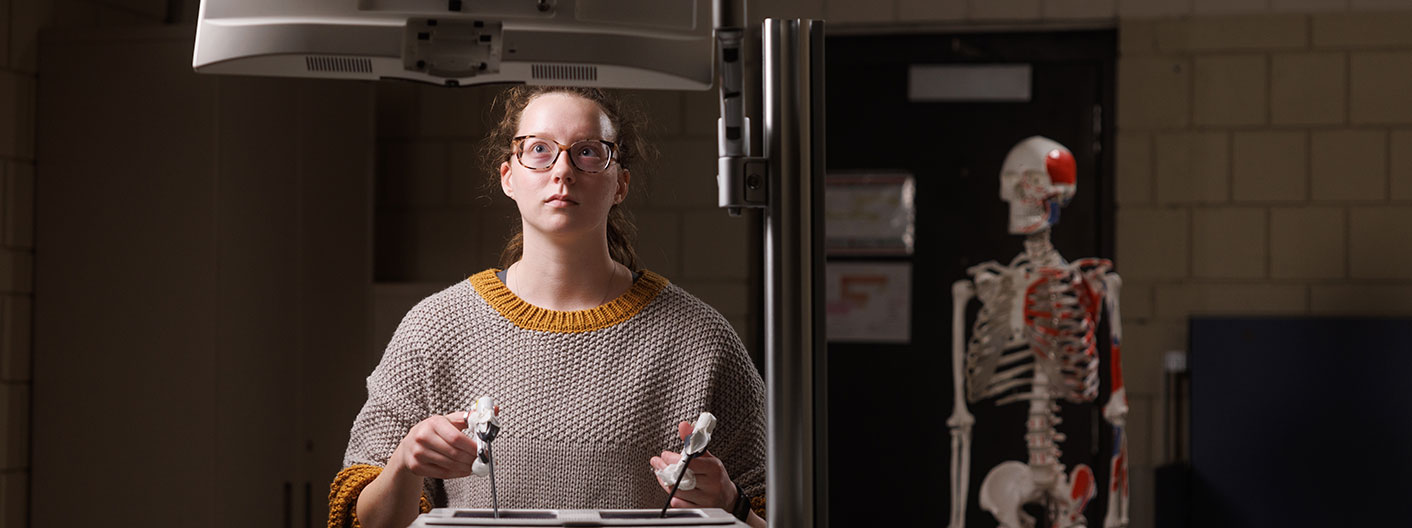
[437, 448]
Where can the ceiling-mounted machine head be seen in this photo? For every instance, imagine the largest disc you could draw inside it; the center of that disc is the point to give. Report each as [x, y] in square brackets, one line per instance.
[646, 44]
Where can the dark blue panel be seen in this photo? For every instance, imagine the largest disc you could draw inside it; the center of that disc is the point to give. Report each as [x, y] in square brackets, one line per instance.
[1301, 422]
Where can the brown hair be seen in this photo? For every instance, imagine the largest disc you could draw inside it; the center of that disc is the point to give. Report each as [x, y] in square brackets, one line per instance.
[633, 149]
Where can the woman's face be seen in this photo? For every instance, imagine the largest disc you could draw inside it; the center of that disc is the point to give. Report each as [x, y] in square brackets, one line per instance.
[563, 200]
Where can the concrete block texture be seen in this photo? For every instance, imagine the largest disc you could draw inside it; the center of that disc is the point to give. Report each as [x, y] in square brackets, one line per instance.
[5, 33]
[700, 110]
[17, 96]
[16, 271]
[470, 181]
[155, 10]
[1193, 167]
[1143, 488]
[1378, 242]
[1135, 302]
[27, 17]
[1079, 9]
[14, 404]
[1137, 36]
[1308, 89]
[1004, 9]
[1400, 171]
[1143, 80]
[412, 173]
[1223, 7]
[1152, 243]
[461, 113]
[931, 10]
[1143, 439]
[1143, 347]
[1378, 87]
[758, 10]
[1177, 302]
[1380, 299]
[685, 175]
[16, 343]
[1377, 5]
[1153, 8]
[19, 205]
[1308, 242]
[1234, 33]
[1270, 166]
[1133, 181]
[435, 244]
[731, 298]
[396, 109]
[1362, 30]
[1229, 243]
[659, 241]
[664, 107]
[715, 246]
[1349, 165]
[1308, 6]
[14, 498]
[851, 11]
[1230, 90]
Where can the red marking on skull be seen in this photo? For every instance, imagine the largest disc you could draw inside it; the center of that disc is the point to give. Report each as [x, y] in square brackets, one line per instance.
[1060, 165]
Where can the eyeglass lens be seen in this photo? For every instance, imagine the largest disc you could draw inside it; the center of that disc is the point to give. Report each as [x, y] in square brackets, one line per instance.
[589, 155]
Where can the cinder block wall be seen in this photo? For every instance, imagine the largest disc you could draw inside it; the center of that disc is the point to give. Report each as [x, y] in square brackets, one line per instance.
[20, 24]
[1272, 177]
[1263, 168]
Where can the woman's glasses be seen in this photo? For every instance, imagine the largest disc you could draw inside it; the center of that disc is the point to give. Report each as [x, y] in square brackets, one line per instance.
[589, 155]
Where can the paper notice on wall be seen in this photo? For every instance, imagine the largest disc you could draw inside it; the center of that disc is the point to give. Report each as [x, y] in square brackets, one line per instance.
[869, 302]
[869, 213]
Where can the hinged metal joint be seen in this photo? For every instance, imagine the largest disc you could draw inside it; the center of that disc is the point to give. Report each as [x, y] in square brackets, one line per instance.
[742, 182]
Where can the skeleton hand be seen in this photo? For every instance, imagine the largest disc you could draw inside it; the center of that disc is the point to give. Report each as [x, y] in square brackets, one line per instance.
[436, 448]
[713, 489]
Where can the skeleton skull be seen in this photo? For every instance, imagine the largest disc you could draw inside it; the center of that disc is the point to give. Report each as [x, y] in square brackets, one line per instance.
[1037, 179]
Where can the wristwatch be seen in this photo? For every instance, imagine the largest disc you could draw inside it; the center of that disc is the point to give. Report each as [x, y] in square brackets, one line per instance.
[741, 510]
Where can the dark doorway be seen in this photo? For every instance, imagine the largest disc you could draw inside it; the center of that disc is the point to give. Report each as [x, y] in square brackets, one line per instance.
[889, 447]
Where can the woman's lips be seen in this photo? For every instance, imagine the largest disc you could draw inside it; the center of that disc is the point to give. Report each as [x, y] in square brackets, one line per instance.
[560, 200]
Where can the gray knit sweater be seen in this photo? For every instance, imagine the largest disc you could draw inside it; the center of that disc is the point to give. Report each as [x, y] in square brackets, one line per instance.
[586, 397]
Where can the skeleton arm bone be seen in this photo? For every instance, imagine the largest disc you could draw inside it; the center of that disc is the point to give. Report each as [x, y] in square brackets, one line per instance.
[961, 419]
[1116, 410]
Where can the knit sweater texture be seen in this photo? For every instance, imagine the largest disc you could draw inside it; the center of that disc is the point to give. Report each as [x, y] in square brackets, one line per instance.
[586, 397]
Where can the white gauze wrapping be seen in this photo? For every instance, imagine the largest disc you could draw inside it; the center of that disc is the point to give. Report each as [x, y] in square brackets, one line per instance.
[478, 420]
[696, 443]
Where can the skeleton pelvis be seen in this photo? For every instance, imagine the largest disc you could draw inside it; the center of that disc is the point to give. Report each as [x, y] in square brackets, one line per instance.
[1011, 485]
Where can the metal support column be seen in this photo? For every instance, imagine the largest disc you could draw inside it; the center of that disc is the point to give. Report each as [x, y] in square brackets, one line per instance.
[794, 271]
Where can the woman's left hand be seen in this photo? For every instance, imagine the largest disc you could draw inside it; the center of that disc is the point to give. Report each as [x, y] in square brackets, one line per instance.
[714, 488]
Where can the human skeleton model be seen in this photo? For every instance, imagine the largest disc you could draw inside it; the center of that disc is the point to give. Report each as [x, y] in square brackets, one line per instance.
[1033, 341]
[483, 424]
[678, 474]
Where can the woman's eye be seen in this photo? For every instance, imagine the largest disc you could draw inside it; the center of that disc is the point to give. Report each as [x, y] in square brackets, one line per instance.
[538, 149]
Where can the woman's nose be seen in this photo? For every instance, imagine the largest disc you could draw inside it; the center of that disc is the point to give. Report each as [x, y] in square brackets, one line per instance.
[562, 170]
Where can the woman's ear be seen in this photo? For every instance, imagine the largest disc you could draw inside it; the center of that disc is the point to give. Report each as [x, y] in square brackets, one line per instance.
[505, 180]
[624, 178]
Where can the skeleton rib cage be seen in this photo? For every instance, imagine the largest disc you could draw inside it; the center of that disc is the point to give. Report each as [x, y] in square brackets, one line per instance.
[1035, 319]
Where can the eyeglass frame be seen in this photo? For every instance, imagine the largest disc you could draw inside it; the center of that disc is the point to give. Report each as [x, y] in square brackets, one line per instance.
[518, 141]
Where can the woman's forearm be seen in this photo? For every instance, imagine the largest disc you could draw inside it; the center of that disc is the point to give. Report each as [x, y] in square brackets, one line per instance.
[392, 499]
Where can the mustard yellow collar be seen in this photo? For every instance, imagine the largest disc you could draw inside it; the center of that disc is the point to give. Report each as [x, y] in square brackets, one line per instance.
[531, 317]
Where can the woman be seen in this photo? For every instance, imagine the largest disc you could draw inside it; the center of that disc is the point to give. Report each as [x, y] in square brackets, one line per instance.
[595, 362]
